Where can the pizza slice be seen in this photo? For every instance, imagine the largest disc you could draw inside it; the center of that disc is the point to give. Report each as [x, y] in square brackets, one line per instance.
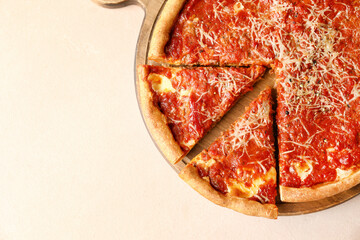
[180, 105]
[238, 169]
[211, 32]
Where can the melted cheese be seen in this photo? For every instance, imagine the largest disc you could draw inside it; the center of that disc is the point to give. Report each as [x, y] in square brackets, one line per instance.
[341, 174]
[190, 143]
[161, 83]
[238, 7]
[185, 93]
[205, 164]
[239, 189]
[303, 169]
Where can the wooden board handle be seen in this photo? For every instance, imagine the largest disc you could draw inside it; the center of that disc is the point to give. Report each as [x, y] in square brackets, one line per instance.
[115, 3]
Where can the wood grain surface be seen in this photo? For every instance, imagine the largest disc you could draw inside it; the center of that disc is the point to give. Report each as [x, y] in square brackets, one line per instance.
[153, 9]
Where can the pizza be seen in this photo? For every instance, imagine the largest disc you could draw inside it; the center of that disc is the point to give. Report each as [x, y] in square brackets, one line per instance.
[181, 105]
[312, 46]
[238, 169]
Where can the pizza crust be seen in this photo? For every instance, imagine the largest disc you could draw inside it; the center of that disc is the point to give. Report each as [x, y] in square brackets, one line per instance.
[156, 121]
[162, 29]
[249, 207]
[319, 191]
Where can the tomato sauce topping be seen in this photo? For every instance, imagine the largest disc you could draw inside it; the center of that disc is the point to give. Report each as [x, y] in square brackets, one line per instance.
[217, 32]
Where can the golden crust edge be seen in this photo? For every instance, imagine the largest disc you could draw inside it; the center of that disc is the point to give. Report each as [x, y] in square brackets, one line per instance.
[319, 191]
[156, 121]
[162, 29]
[249, 207]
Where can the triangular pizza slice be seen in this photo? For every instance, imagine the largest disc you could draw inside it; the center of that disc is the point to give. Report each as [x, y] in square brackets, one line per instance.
[180, 105]
[238, 170]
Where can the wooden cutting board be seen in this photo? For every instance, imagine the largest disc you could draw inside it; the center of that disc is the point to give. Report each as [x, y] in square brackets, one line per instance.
[152, 10]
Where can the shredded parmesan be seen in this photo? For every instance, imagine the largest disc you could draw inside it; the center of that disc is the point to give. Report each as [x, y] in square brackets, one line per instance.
[250, 128]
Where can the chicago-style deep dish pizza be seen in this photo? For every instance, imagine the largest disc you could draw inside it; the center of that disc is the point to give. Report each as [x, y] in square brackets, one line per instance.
[238, 169]
[313, 48]
[181, 105]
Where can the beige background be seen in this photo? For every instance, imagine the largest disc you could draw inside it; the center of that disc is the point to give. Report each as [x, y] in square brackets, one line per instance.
[76, 161]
